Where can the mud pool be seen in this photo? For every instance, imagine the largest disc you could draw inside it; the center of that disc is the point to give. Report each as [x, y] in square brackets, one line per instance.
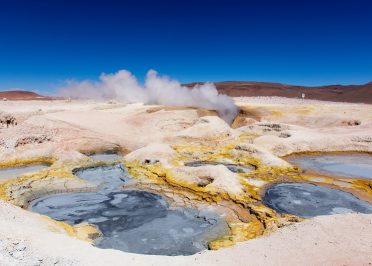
[307, 200]
[135, 221]
[236, 168]
[106, 157]
[16, 171]
[107, 177]
[346, 165]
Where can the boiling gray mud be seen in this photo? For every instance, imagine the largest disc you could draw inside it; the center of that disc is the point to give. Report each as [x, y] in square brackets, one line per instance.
[346, 165]
[236, 168]
[12, 172]
[107, 177]
[135, 221]
[306, 200]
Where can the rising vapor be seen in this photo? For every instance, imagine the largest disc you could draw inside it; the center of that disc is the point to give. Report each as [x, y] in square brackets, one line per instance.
[123, 86]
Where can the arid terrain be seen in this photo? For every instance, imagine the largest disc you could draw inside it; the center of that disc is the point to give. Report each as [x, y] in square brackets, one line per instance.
[234, 167]
[336, 93]
[186, 133]
[20, 95]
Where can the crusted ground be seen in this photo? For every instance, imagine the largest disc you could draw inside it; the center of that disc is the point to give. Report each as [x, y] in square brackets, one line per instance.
[157, 143]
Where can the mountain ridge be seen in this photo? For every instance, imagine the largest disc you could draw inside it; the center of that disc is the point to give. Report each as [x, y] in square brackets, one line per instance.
[338, 93]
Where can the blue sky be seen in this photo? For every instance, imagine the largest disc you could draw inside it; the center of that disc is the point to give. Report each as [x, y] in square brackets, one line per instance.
[43, 43]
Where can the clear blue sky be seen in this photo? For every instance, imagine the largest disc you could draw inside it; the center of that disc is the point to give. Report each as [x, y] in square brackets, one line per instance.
[43, 43]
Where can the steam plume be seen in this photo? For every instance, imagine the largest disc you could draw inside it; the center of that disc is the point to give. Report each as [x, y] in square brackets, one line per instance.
[123, 86]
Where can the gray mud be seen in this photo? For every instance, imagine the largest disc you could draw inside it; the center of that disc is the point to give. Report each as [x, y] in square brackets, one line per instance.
[306, 200]
[12, 172]
[108, 177]
[235, 168]
[106, 157]
[135, 221]
[345, 165]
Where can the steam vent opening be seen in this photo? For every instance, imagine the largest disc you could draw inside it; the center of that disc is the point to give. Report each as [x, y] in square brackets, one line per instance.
[11, 172]
[307, 200]
[345, 165]
[135, 221]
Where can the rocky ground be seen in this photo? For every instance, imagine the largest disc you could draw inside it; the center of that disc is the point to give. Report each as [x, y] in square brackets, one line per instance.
[157, 143]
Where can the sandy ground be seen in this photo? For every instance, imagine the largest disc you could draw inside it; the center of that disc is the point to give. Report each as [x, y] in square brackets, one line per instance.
[66, 130]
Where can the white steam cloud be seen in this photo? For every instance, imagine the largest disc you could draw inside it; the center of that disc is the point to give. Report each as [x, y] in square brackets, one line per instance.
[123, 86]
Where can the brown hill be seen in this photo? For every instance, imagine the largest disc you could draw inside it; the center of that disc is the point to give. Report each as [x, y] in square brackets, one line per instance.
[18, 95]
[336, 93]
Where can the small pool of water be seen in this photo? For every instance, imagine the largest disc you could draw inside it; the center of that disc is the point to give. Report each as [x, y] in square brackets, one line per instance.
[16, 171]
[345, 165]
[107, 177]
[106, 157]
[236, 168]
[135, 221]
[307, 200]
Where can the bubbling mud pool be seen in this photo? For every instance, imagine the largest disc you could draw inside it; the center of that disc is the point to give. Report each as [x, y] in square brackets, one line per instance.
[16, 171]
[135, 221]
[235, 168]
[307, 200]
[346, 165]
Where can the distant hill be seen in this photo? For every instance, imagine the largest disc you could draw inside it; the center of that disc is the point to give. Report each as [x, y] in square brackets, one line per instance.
[336, 93]
[18, 95]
